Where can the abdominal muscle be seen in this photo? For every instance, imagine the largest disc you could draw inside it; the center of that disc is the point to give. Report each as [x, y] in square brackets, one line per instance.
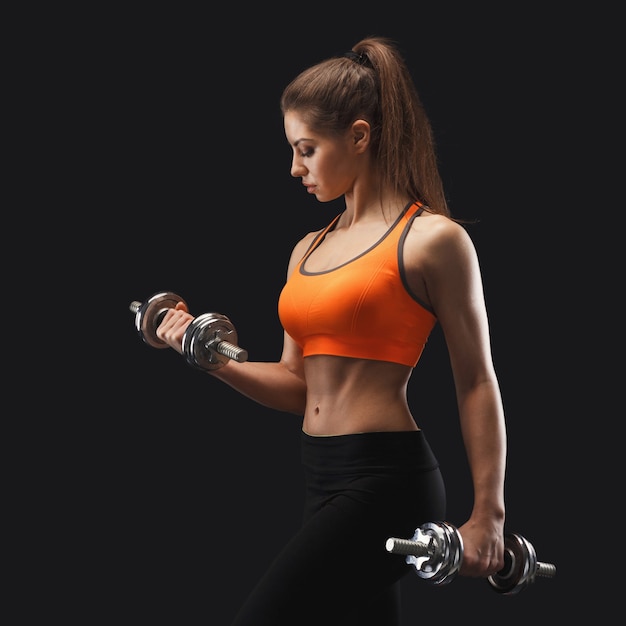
[346, 396]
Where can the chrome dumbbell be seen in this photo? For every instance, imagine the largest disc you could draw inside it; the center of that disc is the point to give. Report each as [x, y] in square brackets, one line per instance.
[436, 553]
[209, 341]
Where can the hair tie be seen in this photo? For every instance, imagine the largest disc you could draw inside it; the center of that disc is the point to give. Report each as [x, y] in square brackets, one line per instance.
[361, 59]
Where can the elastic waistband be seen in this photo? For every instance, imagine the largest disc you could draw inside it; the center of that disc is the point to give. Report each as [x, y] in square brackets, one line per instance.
[372, 449]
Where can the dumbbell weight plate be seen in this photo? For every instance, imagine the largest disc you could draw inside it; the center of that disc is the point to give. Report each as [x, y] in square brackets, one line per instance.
[203, 336]
[445, 561]
[150, 314]
[520, 566]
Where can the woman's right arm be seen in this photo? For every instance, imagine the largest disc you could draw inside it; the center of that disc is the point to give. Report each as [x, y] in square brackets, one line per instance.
[278, 385]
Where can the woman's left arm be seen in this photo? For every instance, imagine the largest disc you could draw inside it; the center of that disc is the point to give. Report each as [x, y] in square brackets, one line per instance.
[454, 284]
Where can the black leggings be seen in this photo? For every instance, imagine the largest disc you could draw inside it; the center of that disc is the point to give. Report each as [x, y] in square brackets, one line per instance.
[361, 489]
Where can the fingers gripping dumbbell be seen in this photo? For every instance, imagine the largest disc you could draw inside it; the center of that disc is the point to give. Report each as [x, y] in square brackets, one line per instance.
[436, 553]
[209, 341]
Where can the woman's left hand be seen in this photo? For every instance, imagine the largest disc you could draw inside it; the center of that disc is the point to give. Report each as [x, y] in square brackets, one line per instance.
[483, 549]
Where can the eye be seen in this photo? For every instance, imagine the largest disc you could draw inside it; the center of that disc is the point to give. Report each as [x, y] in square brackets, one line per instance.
[306, 153]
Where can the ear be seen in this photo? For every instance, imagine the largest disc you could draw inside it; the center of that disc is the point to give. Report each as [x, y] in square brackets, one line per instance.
[361, 135]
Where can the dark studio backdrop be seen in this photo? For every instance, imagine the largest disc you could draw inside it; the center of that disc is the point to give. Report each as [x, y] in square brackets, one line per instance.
[196, 488]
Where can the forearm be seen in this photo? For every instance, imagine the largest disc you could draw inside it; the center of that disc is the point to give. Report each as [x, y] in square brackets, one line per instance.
[484, 435]
[270, 384]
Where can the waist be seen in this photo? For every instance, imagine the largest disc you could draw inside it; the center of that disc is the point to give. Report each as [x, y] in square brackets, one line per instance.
[357, 451]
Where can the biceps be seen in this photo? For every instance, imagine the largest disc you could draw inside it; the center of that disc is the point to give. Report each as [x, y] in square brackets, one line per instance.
[291, 357]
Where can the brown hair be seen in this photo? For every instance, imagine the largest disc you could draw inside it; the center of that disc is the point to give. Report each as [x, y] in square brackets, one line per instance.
[373, 83]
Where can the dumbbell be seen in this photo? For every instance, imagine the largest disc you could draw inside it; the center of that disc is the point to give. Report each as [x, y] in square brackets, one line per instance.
[436, 553]
[209, 341]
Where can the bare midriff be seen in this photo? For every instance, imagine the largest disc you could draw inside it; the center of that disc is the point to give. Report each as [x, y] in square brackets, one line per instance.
[346, 395]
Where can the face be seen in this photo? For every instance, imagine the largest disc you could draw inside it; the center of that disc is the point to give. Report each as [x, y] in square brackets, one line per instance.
[328, 166]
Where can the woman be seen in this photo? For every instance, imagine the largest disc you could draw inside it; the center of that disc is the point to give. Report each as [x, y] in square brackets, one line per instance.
[360, 300]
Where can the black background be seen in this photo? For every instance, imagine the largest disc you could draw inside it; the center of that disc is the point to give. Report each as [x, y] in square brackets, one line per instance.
[180, 491]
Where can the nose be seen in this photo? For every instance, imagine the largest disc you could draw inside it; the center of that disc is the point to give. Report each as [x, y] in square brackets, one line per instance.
[297, 167]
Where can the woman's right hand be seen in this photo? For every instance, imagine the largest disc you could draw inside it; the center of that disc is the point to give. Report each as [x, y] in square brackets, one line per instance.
[174, 325]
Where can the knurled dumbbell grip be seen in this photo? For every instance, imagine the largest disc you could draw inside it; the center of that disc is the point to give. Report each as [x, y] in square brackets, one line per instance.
[228, 349]
[408, 547]
[546, 570]
[135, 305]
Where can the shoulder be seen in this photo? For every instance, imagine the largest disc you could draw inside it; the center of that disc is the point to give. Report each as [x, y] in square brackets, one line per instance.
[441, 264]
[438, 237]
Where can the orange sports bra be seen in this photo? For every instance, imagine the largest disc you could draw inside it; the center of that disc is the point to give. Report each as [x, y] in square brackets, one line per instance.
[363, 308]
